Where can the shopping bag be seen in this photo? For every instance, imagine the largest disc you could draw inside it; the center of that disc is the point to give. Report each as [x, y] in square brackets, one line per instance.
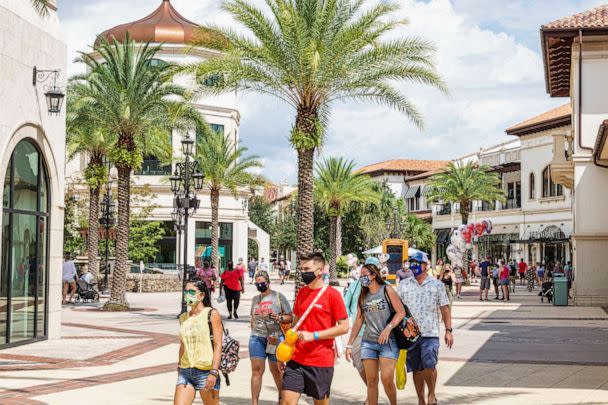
[222, 297]
[401, 377]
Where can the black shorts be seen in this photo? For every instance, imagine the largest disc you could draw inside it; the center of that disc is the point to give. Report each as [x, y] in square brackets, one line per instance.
[312, 381]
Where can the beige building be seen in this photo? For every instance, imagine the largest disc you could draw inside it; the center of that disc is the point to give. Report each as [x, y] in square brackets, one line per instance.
[32, 145]
[575, 56]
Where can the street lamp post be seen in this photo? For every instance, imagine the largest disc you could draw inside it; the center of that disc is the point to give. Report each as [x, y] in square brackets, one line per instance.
[395, 227]
[186, 180]
[107, 221]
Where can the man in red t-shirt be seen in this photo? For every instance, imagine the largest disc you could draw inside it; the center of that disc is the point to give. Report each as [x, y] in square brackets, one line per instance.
[311, 368]
[522, 267]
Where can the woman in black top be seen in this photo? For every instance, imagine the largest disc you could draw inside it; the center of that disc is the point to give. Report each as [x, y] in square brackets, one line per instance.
[448, 278]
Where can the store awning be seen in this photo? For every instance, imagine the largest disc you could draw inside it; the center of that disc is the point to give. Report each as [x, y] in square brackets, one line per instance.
[428, 189]
[412, 192]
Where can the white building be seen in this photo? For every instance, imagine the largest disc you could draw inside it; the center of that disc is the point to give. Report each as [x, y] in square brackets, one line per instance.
[32, 145]
[575, 56]
[165, 25]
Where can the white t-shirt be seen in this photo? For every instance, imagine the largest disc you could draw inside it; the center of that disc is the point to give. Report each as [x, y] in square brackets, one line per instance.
[288, 265]
[69, 270]
[263, 266]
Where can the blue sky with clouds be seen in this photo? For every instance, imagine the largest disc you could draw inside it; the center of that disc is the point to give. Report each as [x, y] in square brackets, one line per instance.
[488, 53]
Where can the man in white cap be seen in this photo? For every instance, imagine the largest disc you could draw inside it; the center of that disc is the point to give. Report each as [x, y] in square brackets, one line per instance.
[425, 297]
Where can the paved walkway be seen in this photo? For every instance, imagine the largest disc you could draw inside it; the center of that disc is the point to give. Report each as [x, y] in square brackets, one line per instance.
[518, 352]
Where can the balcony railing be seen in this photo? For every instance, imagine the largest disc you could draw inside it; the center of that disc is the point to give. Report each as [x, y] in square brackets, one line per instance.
[510, 205]
[153, 167]
[445, 209]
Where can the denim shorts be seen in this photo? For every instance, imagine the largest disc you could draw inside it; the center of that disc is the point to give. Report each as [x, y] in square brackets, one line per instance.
[504, 281]
[423, 355]
[374, 350]
[195, 377]
[257, 348]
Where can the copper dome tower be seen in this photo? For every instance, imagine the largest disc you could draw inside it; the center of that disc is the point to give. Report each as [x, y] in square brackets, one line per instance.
[165, 25]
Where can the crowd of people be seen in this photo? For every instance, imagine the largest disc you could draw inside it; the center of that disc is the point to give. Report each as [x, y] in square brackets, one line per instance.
[370, 308]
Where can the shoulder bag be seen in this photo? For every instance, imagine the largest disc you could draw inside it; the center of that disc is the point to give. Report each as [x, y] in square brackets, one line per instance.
[407, 333]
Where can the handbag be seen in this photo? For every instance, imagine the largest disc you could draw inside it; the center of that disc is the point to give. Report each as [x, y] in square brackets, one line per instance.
[407, 333]
[230, 351]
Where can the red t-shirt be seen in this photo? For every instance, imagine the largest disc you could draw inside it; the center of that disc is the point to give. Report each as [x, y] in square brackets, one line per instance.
[522, 267]
[326, 313]
[232, 279]
[504, 273]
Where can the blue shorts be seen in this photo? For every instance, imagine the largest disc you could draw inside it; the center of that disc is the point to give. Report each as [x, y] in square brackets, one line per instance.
[504, 281]
[423, 355]
[195, 377]
[374, 350]
[257, 348]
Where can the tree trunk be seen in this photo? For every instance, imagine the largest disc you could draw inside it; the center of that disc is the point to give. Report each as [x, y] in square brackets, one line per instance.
[335, 248]
[305, 228]
[93, 237]
[118, 299]
[215, 229]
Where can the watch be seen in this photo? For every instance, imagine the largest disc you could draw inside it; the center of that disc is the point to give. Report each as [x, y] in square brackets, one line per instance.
[449, 330]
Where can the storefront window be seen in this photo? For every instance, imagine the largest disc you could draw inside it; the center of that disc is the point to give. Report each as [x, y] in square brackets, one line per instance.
[203, 242]
[24, 247]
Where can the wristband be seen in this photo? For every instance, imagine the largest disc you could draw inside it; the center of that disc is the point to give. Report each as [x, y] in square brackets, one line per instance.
[316, 335]
[349, 346]
[214, 373]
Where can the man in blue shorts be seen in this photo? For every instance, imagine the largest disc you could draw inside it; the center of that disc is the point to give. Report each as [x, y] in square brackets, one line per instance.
[425, 297]
[484, 285]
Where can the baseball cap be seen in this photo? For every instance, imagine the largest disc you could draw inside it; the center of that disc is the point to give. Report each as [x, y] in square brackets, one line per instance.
[420, 257]
[373, 260]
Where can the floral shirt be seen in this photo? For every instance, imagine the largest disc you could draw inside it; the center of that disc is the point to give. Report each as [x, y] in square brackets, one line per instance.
[424, 301]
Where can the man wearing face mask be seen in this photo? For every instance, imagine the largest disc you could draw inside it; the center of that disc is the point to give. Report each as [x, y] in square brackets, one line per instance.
[268, 310]
[311, 368]
[425, 297]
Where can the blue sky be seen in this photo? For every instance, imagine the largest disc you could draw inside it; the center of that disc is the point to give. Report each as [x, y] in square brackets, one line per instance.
[488, 53]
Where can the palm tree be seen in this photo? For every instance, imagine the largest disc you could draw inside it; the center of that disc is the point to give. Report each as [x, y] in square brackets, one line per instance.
[464, 184]
[137, 101]
[84, 137]
[419, 233]
[224, 166]
[336, 187]
[42, 7]
[312, 54]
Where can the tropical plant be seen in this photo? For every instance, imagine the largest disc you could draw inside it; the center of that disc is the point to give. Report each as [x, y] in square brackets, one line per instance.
[418, 233]
[261, 213]
[337, 185]
[465, 183]
[42, 7]
[137, 101]
[84, 137]
[312, 54]
[225, 166]
[73, 242]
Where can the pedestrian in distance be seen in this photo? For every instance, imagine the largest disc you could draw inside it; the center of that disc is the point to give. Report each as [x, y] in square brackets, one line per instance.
[531, 277]
[379, 350]
[569, 273]
[540, 274]
[282, 269]
[458, 273]
[504, 281]
[208, 275]
[268, 310]
[233, 282]
[512, 274]
[438, 268]
[311, 368]
[496, 279]
[263, 266]
[426, 298]
[484, 285]
[252, 267]
[522, 267]
[200, 350]
[448, 279]
[404, 272]
[69, 277]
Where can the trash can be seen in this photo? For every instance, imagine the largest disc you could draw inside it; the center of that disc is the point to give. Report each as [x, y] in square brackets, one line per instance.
[560, 290]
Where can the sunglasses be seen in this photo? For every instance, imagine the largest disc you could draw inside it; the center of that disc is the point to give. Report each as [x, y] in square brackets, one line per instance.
[191, 292]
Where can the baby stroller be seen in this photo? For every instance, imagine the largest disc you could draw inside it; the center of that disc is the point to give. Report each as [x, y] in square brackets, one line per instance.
[546, 291]
[86, 292]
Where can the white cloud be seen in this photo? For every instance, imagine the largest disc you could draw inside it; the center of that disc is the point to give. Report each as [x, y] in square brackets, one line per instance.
[495, 80]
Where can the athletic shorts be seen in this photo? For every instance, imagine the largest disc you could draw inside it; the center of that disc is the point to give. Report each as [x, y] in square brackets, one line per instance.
[312, 381]
[485, 283]
[424, 354]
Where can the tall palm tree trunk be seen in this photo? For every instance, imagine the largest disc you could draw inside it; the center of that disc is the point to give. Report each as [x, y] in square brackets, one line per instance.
[215, 228]
[464, 213]
[93, 238]
[305, 228]
[118, 299]
[335, 248]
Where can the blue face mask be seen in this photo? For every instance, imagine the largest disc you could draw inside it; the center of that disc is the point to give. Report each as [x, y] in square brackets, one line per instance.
[416, 268]
[365, 281]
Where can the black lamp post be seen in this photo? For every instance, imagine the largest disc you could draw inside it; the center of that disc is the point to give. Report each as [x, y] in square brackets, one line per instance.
[107, 220]
[54, 94]
[186, 180]
[395, 228]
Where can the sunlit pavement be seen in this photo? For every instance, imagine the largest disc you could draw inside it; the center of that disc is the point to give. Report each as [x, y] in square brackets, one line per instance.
[517, 352]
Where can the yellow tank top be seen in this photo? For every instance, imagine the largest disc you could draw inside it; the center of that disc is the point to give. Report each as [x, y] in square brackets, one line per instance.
[195, 335]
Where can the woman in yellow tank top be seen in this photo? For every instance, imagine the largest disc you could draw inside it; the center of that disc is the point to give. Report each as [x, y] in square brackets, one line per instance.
[199, 357]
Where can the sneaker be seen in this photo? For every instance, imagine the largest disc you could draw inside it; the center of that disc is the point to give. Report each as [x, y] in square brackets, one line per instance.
[236, 316]
[229, 316]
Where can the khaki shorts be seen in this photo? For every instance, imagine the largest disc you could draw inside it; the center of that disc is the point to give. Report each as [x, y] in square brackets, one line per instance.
[357, 355]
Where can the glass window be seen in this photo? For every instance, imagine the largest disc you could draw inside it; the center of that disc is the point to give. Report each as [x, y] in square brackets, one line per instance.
[551, 189]
[4, 275]
[6, 194]
[41, 275]
[532, 187]
[25, 183]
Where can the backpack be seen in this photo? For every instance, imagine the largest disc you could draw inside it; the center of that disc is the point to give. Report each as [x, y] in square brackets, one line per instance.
[230, 352]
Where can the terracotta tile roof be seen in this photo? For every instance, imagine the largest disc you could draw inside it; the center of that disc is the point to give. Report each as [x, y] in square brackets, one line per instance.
[404, 165]
[549, 119]
[425, 174]
[595, 18]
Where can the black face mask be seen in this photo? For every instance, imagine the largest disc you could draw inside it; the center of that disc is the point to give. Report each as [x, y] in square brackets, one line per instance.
[262, 287]
[308, 277]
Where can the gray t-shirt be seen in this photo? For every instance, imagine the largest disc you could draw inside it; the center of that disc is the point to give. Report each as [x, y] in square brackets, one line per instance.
[262, 307]
[376, 314]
